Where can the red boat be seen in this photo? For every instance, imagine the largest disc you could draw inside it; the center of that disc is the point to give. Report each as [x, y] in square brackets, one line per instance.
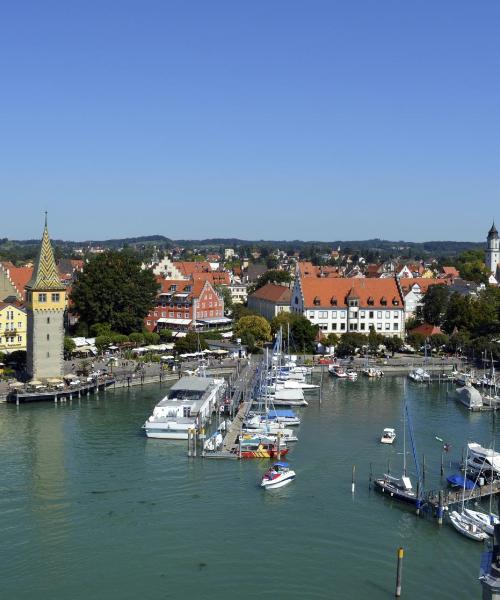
[261, 450]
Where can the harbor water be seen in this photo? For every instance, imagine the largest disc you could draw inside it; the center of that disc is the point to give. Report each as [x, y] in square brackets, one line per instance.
[89, 508]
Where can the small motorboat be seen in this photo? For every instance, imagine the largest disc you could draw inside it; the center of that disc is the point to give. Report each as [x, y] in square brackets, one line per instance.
[466, 527]
[388, 436]
[277, 476]
[485, 522]
[419, 375]
[373, 372]
[337, 372]
[351, 375]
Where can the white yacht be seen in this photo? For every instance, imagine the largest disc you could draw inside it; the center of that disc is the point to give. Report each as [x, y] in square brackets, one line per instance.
[419, 375]
[187, 405]
[483, 459]
[388, 436]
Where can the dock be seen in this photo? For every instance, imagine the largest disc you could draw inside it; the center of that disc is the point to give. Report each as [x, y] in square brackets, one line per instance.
[452, 496]
[60, 394]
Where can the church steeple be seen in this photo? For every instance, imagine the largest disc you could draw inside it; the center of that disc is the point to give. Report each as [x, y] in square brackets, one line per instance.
[493, 231]
[45, 275]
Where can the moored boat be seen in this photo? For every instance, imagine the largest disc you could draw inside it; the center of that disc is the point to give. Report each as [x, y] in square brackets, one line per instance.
[419, 375]
[388, 436]
[399, 488]
[467, 528]
[485, 522]
[338, 372]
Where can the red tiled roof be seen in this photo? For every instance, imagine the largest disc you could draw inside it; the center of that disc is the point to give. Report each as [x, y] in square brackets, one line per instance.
[325, 292]
[427, 329]
[196, 286]
[215, 277]
[20, 277]
[15, 303]
[450, 271]
[273, 293]
[307, 269]
[424, 283]
[187, 268]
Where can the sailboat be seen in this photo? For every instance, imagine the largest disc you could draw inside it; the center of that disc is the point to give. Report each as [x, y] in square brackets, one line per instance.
[400, 488]
[464, 523]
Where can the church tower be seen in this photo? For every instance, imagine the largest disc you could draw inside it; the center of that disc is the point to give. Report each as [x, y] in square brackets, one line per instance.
[493, 250]
[45, 305]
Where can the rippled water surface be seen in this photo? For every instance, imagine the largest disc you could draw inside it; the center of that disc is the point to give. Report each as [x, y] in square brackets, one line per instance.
[91, 509]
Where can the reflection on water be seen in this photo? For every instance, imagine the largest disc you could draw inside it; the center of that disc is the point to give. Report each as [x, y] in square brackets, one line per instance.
[91, 509]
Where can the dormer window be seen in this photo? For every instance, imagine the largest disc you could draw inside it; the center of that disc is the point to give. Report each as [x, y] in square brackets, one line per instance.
[395, 302]
[383, 301]
[316, 301]
[188, 288]
[173, 287]
[333, 301]
[371, 301]
[353, 303]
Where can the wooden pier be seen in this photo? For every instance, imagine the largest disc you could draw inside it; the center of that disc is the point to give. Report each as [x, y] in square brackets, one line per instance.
[59, 394]
[454, 496]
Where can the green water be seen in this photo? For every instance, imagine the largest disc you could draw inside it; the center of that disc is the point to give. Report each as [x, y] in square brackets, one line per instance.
[91, 509]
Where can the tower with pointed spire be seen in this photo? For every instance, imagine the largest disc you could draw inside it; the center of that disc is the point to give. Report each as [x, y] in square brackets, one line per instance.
[45, 305]
[493, 250]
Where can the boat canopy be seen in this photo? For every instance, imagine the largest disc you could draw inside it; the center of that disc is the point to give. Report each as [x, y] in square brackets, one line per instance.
[458, 480]
[281, 464]
[281, 413]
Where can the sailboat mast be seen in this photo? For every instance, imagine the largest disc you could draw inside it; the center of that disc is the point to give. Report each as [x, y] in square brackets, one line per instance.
[465, 477]
[404, 439]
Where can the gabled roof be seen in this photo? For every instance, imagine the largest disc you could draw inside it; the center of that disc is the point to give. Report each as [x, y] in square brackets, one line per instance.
[450, 271]
[427, 329]
[325, 292]
[18, 276]
[273, 293]
[423, 282]
[214, 277]
[193, 288]
[189, 267]
[14, 304]
[307, 269]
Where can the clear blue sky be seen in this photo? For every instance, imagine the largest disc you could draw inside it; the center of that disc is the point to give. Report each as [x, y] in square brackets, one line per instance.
[273, 119]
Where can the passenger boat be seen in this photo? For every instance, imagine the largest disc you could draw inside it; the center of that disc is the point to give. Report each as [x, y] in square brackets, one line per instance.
[388, 436]
[419, 375]
[277, 476]
[467, 528]
[483, 459]
[187, 406]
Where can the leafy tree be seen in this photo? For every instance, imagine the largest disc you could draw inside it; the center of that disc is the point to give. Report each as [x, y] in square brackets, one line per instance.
[257, 326]
[460, 313]
[350, 342]
[189, 344]
[136, 338]
[332, 339]
[302, 332]
[239, 311]
[273, 276]
[165, 335]
[151, 338]
[114, 289]
[435, 303]
[119, 338]
[417, 340]
[69, 347]
[100, 329]
[102, 342]
[393, 344]
[438, 340]
[471, 266]
[225, 293]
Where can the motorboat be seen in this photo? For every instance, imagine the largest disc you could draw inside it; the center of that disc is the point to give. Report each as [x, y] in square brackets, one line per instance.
[482, 520]
[483, 459]
[214, 442]
[399, 488]
[419, 375]
[284, 397]
[287, 435]
[337, 372]
[351, 375]
[469, 397]
[277, 418]
[388, 436]
[277, 476]
[373, 372]
[466, 527]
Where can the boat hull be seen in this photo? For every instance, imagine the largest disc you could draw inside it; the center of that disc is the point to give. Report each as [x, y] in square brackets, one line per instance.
[386, 488]
[272, 485]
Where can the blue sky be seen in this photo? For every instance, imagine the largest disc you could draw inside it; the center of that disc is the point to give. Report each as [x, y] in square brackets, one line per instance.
[261, 119]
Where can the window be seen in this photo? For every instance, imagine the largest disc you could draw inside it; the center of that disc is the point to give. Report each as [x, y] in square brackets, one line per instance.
[353, 326]
[186, 411]
[48, 337]
[186, 315]
[19, 338]
[334, 326]
[323, 314]
[362, 326]
[379, 314]
[353, 303]
[323, 326]
[387, 326]
[396, 314]
[371, 314]
[56, 297]
[311, 314]
[334, 314]
[379, 326]
[19, 324]
[395, 326]
[156, 314]
[42, 297]
[342, 314]
[362, 314]
[342, 326]
[387, 314]
[296, 300]
[148, 322]
[352, 315]
[48, 354]
[48, 320]
[163, 314]
[171, 314]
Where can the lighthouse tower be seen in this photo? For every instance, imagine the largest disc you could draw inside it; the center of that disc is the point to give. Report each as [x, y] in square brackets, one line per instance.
[493, 250]
[45, 304]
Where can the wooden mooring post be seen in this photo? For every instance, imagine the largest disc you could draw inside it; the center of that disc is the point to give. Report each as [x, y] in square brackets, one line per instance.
[353, 480]
[399, 572]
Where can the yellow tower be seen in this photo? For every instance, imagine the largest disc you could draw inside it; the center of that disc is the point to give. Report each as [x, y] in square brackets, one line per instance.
[45, 305]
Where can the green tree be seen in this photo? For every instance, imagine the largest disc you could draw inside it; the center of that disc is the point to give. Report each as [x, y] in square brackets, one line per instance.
[350, 343]
[393, 344]
[460, 313]
[114, 289]
[151, 338]
[192, 342]
[225, 293]
[435, 303]
[257, 326]
[102, 342]
[239, 311]
[302, 332]
[68, 348]
[136, 338]
[471, 266]
[165, 335]
[273, 276]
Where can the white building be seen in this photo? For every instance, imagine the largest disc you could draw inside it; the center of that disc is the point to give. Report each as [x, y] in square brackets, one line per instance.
[414, 290]
[492, 258]
[270, 300]
[238, 292]
[339, 305]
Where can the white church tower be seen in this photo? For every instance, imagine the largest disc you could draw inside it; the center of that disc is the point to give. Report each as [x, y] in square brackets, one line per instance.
[493, 250]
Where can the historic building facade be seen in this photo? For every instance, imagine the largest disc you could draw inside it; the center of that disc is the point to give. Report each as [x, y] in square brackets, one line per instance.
[492, 257]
